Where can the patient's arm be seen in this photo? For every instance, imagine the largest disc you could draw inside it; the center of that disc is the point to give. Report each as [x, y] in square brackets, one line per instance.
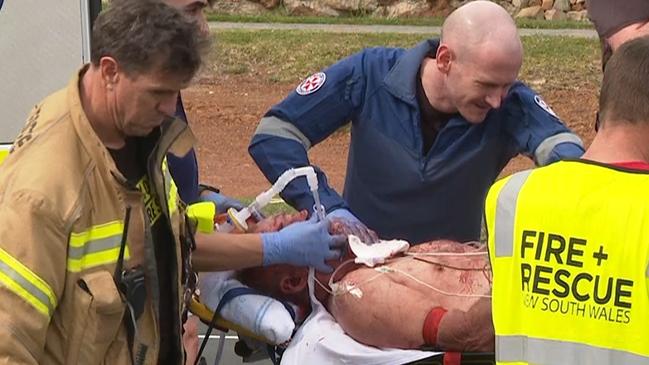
[389, 310]
[386, 312]
[468, 331]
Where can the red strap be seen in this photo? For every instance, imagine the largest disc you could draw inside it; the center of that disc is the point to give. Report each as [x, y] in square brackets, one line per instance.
[452, 358]
[431, 325]
[635, 165]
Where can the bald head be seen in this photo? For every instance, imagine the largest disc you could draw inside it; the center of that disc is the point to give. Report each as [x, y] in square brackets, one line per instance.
[478, 25]
[477, 61]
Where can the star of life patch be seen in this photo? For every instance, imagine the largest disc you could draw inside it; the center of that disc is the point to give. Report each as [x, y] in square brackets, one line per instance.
[311, 84]
[540, 102]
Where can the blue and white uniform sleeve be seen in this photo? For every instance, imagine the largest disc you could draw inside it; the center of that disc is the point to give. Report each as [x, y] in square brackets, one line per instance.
[318, 107]
[537, 130]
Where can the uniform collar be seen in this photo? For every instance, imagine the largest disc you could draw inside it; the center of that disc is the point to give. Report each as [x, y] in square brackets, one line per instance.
[176, 137]
[401, 81]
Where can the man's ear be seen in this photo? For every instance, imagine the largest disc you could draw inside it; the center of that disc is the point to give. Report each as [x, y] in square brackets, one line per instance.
[293, 283]
[109, 71]
[444, 58]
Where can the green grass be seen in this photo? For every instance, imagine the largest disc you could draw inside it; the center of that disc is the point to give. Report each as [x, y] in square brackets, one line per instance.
[563, 62]
[289, 56]
[280, 16]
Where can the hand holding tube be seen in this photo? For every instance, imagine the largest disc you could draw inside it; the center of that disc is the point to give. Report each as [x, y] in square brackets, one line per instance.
[356, 227]
[303, 244]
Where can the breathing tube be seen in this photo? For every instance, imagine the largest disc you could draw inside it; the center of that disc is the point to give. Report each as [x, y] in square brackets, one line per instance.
[238, 218]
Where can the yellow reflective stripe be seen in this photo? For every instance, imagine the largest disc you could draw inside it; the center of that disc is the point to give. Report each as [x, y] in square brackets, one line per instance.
[4, 151]
[172, 189]
[203, 214]
[96, 246]
[96, 259]
[97, 232]
[23, 282]
[173, 197]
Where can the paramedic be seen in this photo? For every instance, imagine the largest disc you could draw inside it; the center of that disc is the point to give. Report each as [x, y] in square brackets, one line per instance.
[184, 170]
[431, 128]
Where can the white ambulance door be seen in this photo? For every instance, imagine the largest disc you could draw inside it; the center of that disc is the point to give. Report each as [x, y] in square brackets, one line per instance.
[42, 43]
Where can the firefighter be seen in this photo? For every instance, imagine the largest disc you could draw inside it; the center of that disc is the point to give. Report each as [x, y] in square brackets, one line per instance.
[95, 246]
[568, 243]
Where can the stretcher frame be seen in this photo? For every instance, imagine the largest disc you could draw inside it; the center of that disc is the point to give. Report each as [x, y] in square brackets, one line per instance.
[206, 315]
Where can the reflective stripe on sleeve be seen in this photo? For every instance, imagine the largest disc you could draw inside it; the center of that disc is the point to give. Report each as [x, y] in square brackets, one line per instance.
[172, 190]
[276, 127]
[506, 213]
[203, 214]
[96, 246]
[542, 352]
[544, 150]
[26, 284]
[172, 197]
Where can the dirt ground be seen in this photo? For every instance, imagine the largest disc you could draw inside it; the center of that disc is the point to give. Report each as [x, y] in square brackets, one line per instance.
[224, 113]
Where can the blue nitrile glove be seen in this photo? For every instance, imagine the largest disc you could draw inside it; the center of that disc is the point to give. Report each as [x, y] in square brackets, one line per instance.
[222, 202]
[354, 225]
[303, 244]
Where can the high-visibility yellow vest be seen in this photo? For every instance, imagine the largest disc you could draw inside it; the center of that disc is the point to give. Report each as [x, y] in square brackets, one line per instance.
[569, 249]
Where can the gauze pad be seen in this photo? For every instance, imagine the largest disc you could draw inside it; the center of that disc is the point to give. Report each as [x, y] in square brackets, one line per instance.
[375, 253]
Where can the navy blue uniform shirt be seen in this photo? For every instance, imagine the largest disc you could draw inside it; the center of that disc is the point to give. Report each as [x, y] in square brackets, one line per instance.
[184, 170]
[391, 185]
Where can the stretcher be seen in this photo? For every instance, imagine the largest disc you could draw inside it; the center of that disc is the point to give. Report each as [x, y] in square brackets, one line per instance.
[293, 354]
[208, 317]
[212, 319]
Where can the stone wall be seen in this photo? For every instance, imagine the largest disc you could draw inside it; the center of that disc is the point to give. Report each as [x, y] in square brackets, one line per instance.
[540, 9]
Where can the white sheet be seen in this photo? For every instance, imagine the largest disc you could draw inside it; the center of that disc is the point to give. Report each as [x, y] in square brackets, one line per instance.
[320, 340]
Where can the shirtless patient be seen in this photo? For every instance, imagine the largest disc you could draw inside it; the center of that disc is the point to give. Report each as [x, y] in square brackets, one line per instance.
[437, 294]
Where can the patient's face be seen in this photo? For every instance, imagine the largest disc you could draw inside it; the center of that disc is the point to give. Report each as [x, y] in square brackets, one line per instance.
[290, 282]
